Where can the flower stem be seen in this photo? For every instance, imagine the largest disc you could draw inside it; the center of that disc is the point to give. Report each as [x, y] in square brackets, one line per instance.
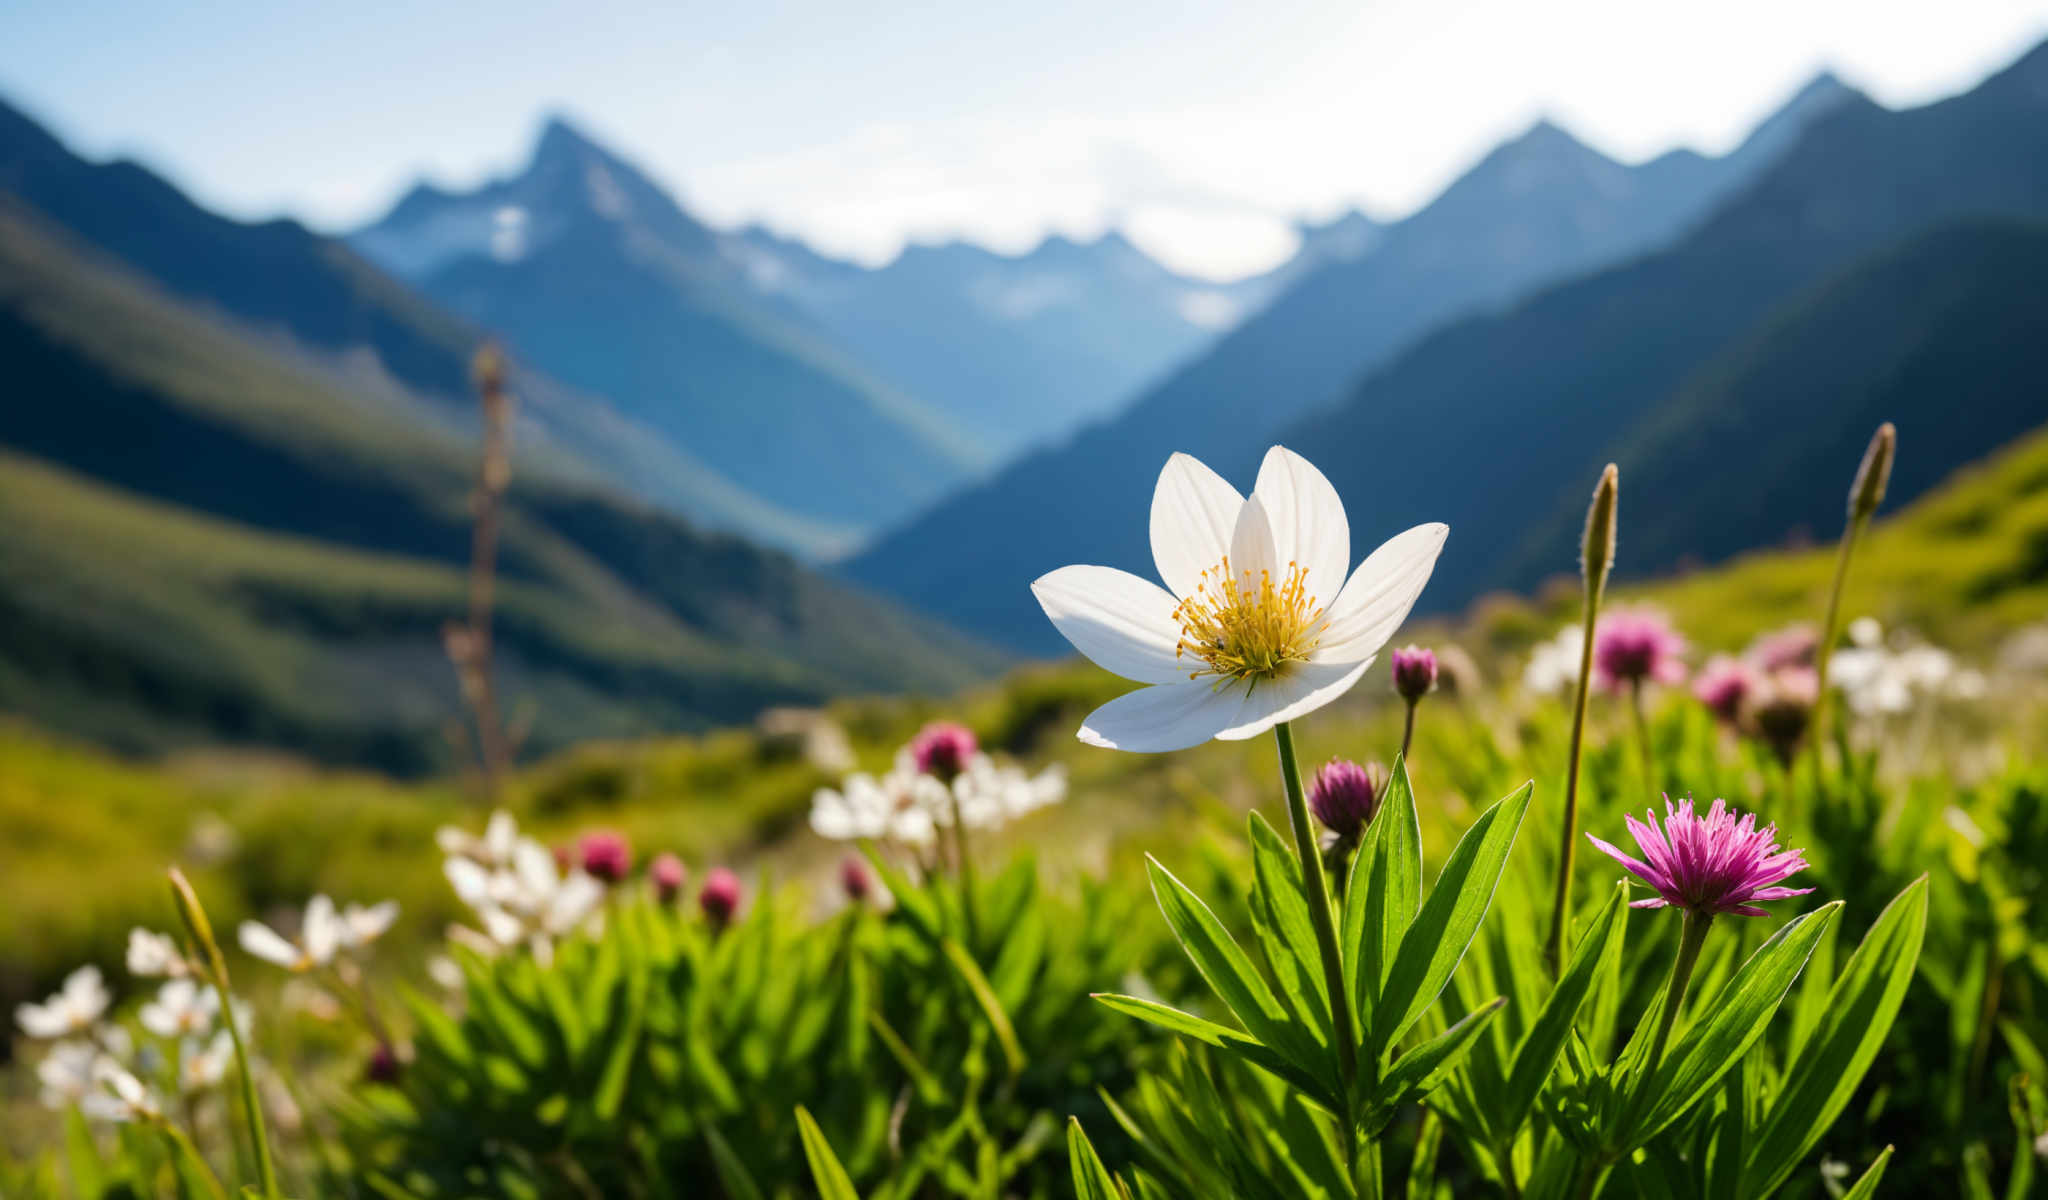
[1317, 892]
[1408, 731]
[966, 872]
[1635, 703]
[1560, 910]
[1691, 937]
[1368, 1174]
[1830, 628]
[194, 917]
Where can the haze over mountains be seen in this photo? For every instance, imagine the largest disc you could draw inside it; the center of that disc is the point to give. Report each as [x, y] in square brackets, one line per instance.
[1537, 209]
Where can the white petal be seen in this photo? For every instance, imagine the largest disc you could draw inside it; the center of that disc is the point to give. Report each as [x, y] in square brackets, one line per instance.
[42, 1020]
[1172, 716]
[321, 932]
[1379, 594]
[1251, 545]
[471, 882]
[1193, 514]
[1124, 624]
[267, 944]
[1309, 525]
[1301, 692]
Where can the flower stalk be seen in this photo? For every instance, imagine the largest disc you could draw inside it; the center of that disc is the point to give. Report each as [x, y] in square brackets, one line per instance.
[1873, 475]
[1317, 893]
[1596, 559]
[1692, 936]
[194, 917]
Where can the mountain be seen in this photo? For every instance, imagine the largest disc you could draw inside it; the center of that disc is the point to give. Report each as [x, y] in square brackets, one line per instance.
[378, 336]
[206, 538]
[597, 276]
[1019, 350]
[1539, 208]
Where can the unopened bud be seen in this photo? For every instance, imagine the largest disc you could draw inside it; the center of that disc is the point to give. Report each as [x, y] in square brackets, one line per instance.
[1876, 472]
[488, 368]
[190, 912]
[1596, 552]
[1414, 672]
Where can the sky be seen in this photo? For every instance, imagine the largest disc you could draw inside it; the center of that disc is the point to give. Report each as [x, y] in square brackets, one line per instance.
[1204, 130]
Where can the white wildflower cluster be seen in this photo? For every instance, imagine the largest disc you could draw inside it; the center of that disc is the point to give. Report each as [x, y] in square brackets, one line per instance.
[1879, 679]
[910, 806]
[519, 894]
[96, 1065]
[324, 933]
[1554, 664]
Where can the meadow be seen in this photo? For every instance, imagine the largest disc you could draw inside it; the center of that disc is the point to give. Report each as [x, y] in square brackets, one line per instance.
[1024, 966]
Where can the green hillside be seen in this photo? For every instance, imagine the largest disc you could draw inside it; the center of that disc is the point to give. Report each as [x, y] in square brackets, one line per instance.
[211, 539]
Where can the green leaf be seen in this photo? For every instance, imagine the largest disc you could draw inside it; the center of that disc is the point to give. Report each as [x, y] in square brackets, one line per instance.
[88, 1176]
[1859, 1012]
[826, 1172]
[1230, 974]
[1383, 891]
[985, 996]
[1866, 1187]
[1736, 1019]
[912, 901]
[1281, 914]
[732, 1173]
[1444, 926]
[436, 1028]
[1547, 1035]
[1419, 1070]
[1092, 1180]
[624, 1049]
[929, 1089]
[1243, 1045]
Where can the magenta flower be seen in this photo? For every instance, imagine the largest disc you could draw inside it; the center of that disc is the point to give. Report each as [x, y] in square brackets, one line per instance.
[605, 855]
[1723, 684]
[720, 897]
[1792, 646]
[669, 875]
[1781, 707]
[943, 748]
[1414, 672]
[1345, 795]
[1709, 865]
[1636, 646]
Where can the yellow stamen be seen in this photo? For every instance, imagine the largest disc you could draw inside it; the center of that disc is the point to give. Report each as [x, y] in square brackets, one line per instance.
[1244, 628]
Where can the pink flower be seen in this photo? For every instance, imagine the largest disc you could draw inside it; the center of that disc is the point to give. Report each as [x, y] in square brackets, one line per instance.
[1781, 707]
[668, 874]
[1709, 865]
[721, 896]
[1414, 672]
[1723, 684]
[1633, 646]
[1792, 646]
[1345, 795]
[854, 879]
[605, 855]
[942, 749]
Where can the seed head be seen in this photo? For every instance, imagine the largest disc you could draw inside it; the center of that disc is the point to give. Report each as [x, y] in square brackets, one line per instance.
[1596, 549]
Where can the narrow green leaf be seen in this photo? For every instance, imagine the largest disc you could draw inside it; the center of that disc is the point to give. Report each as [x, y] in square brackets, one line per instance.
[436, 1028]
[88, 1177]
[1229, 973]
[1547, 1035]
[1735, 1020]
[1866, 1187]
[623, 1051]
[1444, 926]
[1384, 891]
[985, 996]
[826, 1171]
[1092, 1180]
[732, 1173]
[1224, 1038]
[929, 1089]
[1859, 1013]
[1281, 914]
[1419, 1070]
[912, 901]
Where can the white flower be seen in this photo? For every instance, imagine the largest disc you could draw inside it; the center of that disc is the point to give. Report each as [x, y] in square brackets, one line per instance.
[72, 1011]
[1261, 625]
[66, 1073]
[526, 899]
[203, 1064]
[360, 926]
[901, 806]
[118, 1095]
[181, 1009]
[1554, 665]
[154, 954]
[993, 794]
[320, 935]
[493, 849]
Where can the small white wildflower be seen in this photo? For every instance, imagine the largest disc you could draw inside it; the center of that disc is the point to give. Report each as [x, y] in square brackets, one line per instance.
[76, 1007]
[181, 1009]
[320, 934]
[152, 955]
[202, 1064]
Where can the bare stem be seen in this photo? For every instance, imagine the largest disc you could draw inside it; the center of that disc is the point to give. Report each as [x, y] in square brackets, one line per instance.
[1635, 703]
[1560, 910]
[1830, 628]
[1408, 731]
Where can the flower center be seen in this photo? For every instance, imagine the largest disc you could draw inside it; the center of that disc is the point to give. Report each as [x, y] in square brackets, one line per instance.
[1246, 627]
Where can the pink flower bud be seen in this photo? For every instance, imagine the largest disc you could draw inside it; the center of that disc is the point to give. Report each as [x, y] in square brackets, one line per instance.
[1723, 685]
[1345, 795]
[606, 855]
[854, 878]
[383, 1066]
[668, 874]
[1414, 672]
[721, 895]
[943, 748]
